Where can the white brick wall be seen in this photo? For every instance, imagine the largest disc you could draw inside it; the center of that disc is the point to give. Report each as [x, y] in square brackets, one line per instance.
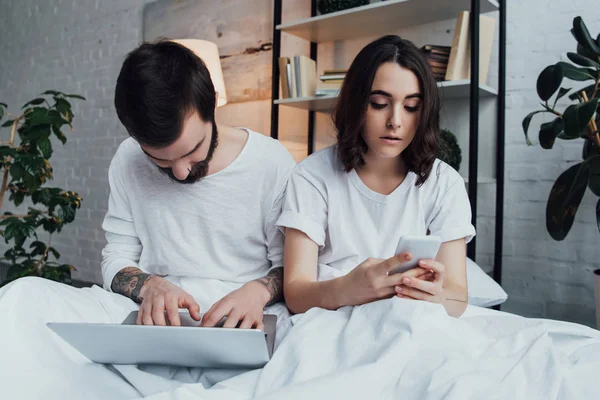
[78, 46]
[543, 278]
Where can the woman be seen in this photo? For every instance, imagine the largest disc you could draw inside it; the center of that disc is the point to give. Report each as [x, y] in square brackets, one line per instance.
[348, 205]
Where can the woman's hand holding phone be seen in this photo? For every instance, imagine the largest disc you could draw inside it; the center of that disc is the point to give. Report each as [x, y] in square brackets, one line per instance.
[371, 280]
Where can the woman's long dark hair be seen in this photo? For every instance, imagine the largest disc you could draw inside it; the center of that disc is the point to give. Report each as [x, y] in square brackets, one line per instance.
[351, 108]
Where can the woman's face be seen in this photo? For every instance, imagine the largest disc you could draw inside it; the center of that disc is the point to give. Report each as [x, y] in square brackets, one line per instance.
[393, 112]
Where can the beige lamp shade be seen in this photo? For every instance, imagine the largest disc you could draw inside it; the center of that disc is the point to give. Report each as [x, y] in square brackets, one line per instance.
[209, 53]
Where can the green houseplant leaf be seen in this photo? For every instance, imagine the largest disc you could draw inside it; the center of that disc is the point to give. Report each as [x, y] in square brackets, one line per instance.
[598, 214]
[577, 117]
[549, 131]
[527, 122]
[34, 102]
[564, 200]
[594, 183]
[576, 73]
[549, 81]
[582, 60]
[583, 37]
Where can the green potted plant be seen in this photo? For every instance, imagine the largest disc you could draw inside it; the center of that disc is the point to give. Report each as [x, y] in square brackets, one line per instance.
[329, 6]
[25, 161]
[579, 121]
[449, 151]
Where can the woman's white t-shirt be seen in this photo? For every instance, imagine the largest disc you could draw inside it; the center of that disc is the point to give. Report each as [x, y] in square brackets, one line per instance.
[350, 222]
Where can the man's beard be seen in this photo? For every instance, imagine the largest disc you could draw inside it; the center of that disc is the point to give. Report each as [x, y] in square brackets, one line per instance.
[200, 169]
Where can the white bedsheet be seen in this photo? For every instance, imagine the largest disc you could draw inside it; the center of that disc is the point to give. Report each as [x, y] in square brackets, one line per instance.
[388, 349]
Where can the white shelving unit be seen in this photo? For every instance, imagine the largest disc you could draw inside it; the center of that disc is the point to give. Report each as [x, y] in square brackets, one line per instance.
[448, 89]
[386, 17]
[378, 18]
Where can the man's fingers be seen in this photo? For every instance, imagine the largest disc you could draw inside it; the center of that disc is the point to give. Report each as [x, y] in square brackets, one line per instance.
[140, 313]
[158, 311]
[147, 317]
[214, 315]
[173, 312]
[192, 306]
[232, 319]
[260, 326]
[247, 323]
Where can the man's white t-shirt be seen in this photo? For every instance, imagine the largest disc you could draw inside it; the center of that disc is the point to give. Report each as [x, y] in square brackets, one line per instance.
[350, 222]
[209, 237]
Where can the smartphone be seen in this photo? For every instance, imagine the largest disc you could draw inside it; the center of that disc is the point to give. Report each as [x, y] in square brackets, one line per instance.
[420, 247]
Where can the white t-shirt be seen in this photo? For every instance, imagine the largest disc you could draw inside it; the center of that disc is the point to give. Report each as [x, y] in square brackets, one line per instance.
[216, 234]
[350, 222]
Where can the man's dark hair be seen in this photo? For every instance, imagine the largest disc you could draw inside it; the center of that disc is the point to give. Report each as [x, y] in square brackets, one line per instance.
[159, 85]
[351, 108]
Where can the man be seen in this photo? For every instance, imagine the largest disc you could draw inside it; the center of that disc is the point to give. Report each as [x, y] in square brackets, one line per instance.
[192, 203]
[190, 224]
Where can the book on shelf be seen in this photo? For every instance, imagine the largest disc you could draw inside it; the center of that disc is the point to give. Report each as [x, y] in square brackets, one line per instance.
[437, 57]
[327, 92]
[298, 76]
[338, 71]
[332, 77]
[459, 63]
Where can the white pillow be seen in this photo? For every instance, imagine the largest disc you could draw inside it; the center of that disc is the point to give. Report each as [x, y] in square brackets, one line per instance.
[483, 290]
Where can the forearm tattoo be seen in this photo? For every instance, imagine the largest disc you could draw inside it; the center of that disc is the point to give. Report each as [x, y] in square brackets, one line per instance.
[129, 282]
[273, 281]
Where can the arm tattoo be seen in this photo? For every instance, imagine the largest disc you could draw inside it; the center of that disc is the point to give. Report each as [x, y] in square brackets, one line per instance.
[274, 284]
[129, 282]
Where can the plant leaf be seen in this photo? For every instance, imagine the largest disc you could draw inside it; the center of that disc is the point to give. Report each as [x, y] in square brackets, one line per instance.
[588, 91]
[594, 183]
[53, 93]
[564, 200]
[34, 102]
[66, 213]
[549, 81]
[54, 252]
[38, 248]
[63, 107]
[598, 214]
[562, 92]
[57, 132]
[8, 123]
[575, 73]
[75, 96]
[16, 171]
[583, 36]
[527, 122]
[549, 131]
[45, 147]
[589, 149]
[582, 60]
[577, 117]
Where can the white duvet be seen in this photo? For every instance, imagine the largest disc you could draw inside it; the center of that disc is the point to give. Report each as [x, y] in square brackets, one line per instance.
[391, 349]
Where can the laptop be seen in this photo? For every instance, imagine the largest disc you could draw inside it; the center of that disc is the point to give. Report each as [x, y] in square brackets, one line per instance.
[188, 345]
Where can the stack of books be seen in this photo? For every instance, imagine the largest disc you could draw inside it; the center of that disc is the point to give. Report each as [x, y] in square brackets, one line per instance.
[437, 57]
[331, 82]
[298, 76]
